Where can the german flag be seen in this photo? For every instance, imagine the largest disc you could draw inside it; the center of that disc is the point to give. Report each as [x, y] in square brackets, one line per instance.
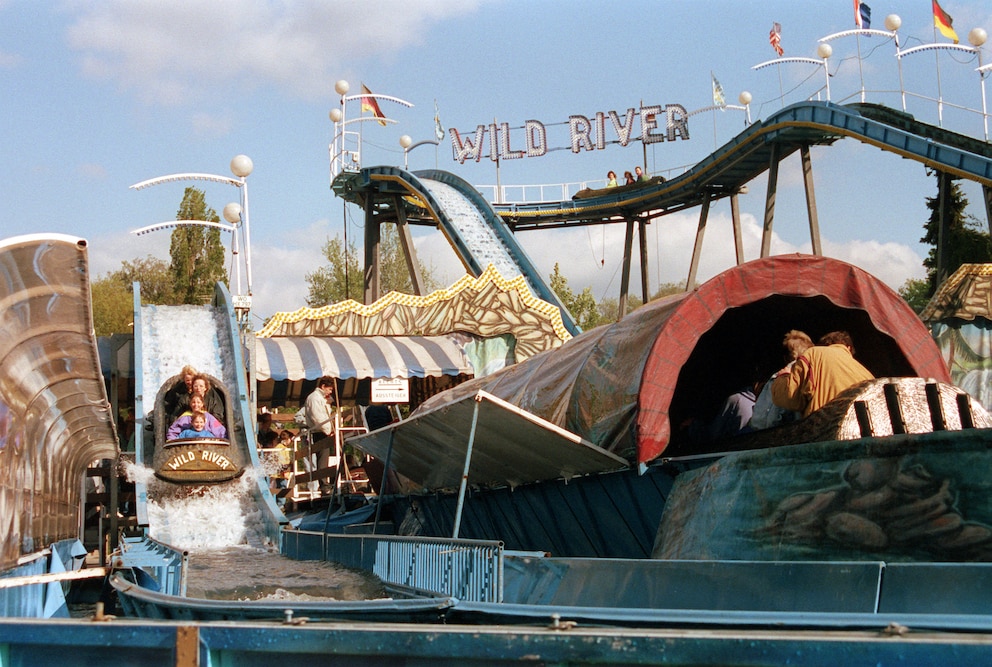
[943, 22]
[369, 103]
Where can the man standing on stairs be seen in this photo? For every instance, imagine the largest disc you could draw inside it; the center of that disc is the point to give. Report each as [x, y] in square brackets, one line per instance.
[320, 424]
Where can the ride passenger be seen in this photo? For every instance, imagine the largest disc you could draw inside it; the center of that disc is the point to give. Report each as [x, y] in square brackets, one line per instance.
[639, 174]
[178, 395]
[766, 414]
[212, 400]
[184, 421]
[819, 374]
[628, 178]
[197, 428]
[611, 179]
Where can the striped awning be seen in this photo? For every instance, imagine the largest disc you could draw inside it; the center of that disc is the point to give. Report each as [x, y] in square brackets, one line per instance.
[310, 357]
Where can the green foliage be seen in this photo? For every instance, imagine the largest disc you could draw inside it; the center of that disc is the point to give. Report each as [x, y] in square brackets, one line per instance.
[154, 276]
[668, 289]
[967, 242]
[196, 251]
[582, 306]
[916, 292]
[112, 294]
[327, 283]
[113, 306]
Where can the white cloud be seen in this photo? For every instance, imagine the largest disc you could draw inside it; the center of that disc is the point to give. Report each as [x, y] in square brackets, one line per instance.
[593, 256]
[171, 53]
[96, 172]
[209, 126]
[9, 60]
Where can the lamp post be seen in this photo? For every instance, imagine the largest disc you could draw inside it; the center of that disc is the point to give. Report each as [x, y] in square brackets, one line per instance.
[892, 22]
[977, 38]
[406, 142]
[823, 50]
[236, 216]
[745, 99]
[339, 150]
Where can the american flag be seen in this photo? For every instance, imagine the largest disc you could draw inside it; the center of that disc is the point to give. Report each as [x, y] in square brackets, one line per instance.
[862, 15]
[775, 38]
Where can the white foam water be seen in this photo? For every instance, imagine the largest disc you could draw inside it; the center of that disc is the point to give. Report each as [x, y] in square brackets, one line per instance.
[202, 518]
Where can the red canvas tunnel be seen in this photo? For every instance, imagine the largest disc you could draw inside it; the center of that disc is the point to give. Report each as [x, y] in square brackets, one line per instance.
[622, 386]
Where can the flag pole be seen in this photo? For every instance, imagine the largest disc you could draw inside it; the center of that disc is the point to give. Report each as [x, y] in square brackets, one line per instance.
[940, 96]
[861, 69]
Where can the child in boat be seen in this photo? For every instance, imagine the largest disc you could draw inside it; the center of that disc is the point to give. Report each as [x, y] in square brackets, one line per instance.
[197, 429]
[185, 420]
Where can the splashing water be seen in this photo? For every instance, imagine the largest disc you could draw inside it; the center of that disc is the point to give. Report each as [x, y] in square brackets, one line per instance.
[202, 518]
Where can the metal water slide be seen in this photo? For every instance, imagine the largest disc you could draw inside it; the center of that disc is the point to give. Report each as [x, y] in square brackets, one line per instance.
[213, 346]
[476, 233]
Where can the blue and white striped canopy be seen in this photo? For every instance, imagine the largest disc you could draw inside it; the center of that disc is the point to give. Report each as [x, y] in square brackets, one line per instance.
[310, 357]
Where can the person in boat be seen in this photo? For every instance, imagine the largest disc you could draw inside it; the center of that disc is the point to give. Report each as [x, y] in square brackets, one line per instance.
[212, 400]
[611, 179]
[639, 175]
[628, 178]
[184, 421]
[197, 427]
[766, 414]
[179, 394]
[819, 374]
[320, 425]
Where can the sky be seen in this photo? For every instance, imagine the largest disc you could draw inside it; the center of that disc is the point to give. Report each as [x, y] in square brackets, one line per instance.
[98, 96]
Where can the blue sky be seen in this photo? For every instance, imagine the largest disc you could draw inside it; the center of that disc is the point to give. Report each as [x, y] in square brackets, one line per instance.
[101, 95]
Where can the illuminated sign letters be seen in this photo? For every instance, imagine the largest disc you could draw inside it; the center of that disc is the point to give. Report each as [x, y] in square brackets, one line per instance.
[585, 134]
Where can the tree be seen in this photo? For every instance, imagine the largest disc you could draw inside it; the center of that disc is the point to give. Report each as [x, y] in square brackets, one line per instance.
[966, 241]
[327, 283]
[113, 294]
[155, 277]
[583, 306]
[916, 292]
[113, 306]
[196, 251]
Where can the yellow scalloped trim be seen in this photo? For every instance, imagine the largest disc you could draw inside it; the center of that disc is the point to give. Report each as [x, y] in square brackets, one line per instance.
[467, 282]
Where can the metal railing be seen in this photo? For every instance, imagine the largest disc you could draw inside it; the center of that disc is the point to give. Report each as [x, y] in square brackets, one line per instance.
[163, 562]
[470, 570]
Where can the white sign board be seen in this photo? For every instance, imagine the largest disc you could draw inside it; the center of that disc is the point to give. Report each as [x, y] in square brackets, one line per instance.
[393, 390]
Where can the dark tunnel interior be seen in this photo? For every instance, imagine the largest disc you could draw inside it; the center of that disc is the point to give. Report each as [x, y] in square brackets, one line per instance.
[745, 345]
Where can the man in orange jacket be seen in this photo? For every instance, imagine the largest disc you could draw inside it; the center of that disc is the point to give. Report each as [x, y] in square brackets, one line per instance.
[819, 374]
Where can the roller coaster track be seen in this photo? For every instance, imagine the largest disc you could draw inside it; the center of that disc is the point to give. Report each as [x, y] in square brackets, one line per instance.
[481, 233]
[750, 153]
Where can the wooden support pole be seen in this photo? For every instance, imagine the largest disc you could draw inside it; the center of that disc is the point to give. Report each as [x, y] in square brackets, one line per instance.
[372, 241]
[704, 213]
[406, 242]
[766, 231]
[735, 216]
[987, 192]
[814, 221]
[642, 242]
[944, 184]
[628, 244]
